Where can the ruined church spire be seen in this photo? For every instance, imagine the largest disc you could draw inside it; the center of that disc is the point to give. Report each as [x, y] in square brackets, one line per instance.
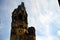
[19, 25]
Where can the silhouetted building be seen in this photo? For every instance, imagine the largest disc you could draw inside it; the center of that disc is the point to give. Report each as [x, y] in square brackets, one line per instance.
[19, 25]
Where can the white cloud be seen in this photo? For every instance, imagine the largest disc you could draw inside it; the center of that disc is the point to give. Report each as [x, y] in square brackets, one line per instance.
[58, 32]
[42, 16]
[58, 19]
[44, 38]
[45, 19]
[38, 38]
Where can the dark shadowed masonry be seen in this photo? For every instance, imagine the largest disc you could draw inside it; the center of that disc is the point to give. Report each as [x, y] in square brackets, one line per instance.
[19, 25]
[59, 2]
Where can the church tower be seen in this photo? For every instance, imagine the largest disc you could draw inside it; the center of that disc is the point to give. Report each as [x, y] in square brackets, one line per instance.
[19, 25]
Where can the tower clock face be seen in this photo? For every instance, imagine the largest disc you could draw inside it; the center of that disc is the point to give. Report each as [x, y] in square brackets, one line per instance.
[20, 31]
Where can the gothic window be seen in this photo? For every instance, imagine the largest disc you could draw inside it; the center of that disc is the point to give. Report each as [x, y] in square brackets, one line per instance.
[25, 27]
[20, 26]
[15, 17]
[20, 17]
[25, 19]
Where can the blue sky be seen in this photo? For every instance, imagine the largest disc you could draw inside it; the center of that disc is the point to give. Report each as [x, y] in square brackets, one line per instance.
[44, 15]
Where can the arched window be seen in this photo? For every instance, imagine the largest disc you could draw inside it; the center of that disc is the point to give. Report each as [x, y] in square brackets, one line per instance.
[20, 17]
[14, 17]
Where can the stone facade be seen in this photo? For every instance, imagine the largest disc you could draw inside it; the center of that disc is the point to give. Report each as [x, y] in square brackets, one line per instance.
[19, 25]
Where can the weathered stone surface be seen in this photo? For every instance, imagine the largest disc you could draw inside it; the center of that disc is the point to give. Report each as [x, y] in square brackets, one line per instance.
[19, 25]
